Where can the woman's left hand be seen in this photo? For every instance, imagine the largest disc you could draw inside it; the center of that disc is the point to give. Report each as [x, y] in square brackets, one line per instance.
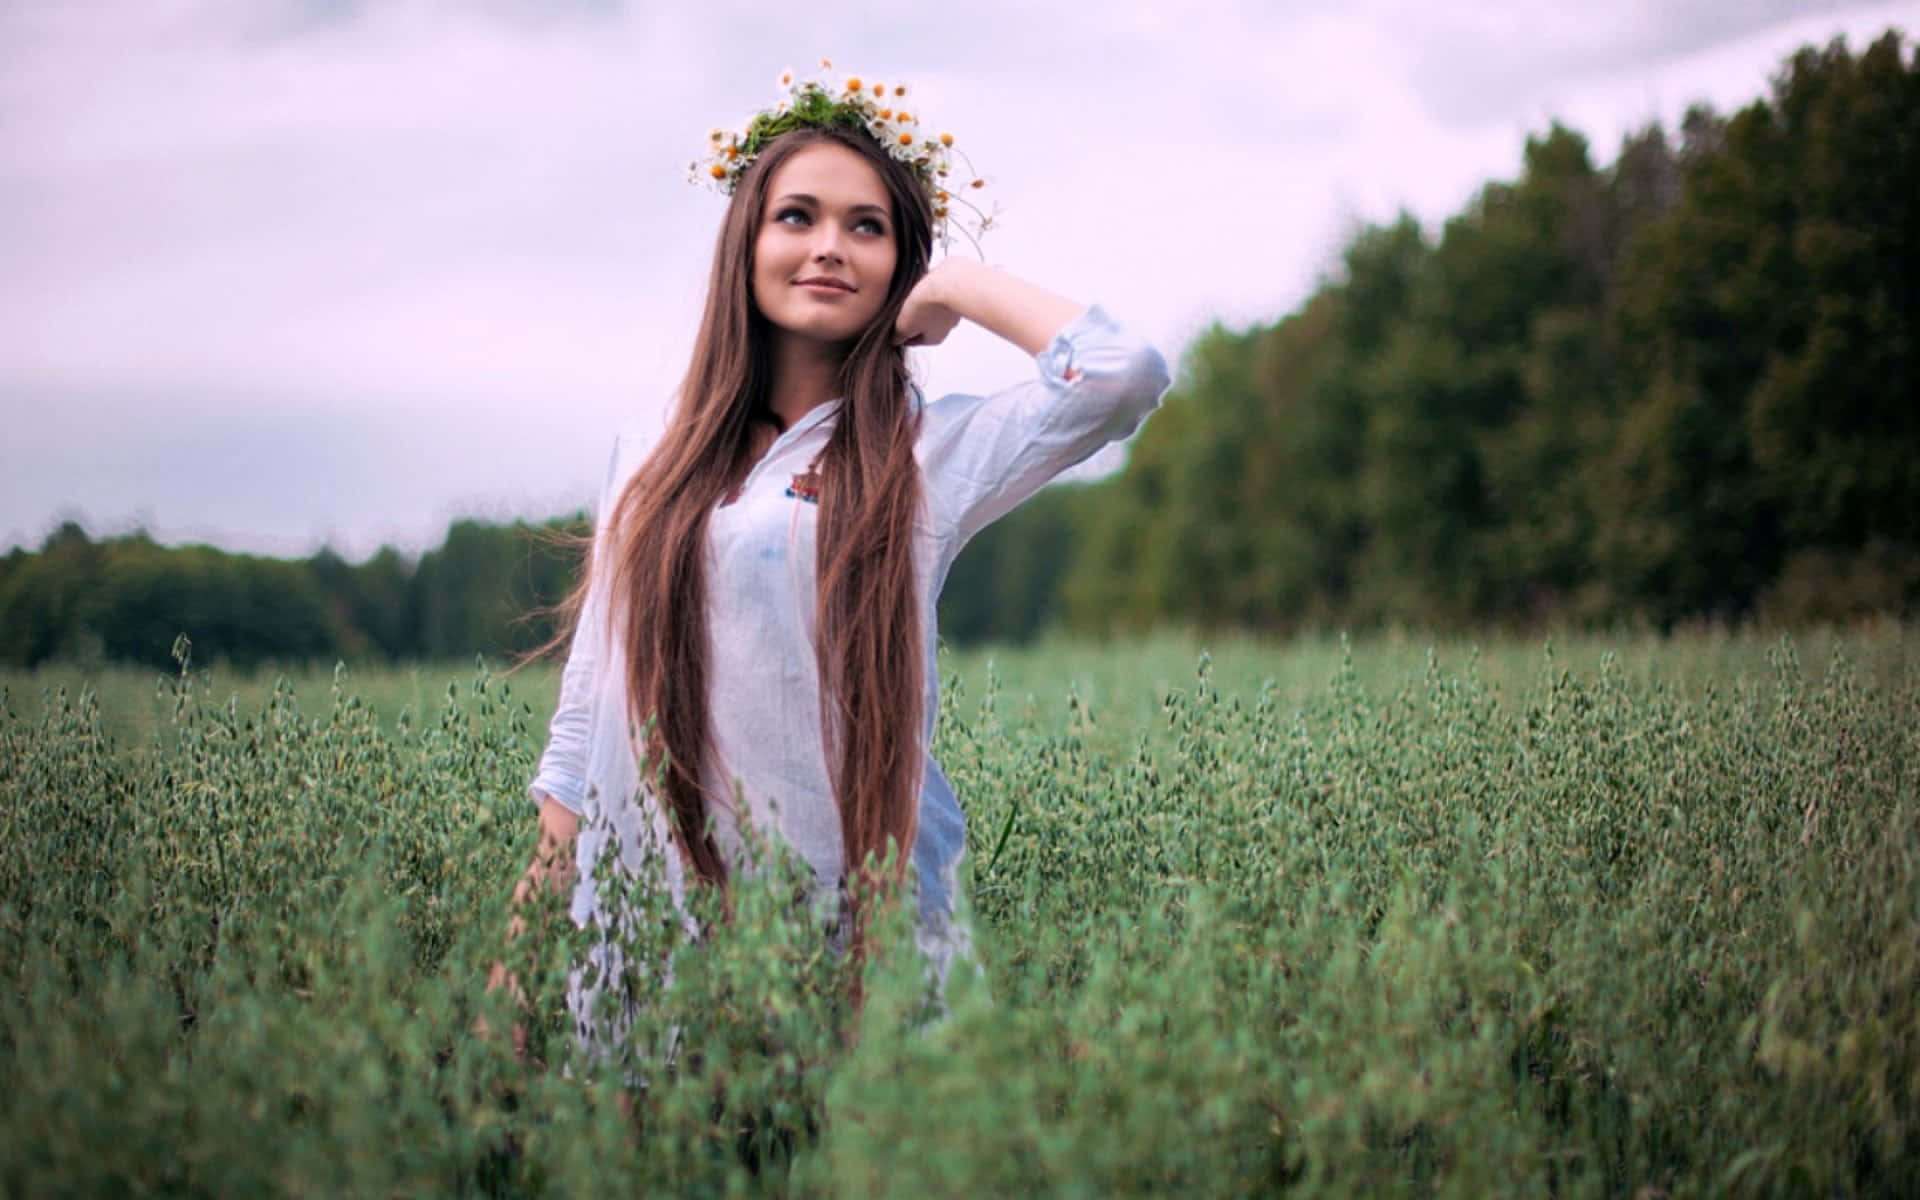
[925, 317]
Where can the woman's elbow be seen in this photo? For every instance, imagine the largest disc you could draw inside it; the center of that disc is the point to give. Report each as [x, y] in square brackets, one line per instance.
[1151, 379]
[1134, 389]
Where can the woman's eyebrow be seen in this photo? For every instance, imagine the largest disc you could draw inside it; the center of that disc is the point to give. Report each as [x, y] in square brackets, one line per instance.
[813, 202]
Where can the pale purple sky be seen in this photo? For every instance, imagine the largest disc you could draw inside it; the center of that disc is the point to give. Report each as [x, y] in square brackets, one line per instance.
[279, 272]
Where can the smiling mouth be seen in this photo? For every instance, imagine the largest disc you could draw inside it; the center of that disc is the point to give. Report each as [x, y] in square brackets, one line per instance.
[827, 284]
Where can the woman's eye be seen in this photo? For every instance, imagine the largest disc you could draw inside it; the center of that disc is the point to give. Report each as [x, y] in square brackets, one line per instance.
[871, 225]
[791, 216]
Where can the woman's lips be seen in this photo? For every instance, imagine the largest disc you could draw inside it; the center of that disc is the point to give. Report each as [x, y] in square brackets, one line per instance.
[833, 286]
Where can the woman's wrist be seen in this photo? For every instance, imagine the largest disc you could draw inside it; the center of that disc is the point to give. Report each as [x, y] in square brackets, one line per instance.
[1023, 313]
[954, 280]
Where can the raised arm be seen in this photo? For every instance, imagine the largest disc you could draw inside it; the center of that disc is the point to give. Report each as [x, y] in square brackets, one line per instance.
[1094, 382]
[959, 289]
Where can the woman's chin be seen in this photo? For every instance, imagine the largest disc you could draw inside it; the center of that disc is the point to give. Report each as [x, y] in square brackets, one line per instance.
[834, 334]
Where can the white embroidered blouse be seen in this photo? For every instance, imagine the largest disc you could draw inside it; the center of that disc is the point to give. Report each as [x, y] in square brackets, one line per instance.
[980, 456]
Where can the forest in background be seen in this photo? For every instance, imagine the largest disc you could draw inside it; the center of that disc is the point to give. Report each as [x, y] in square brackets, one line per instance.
[1680, 386]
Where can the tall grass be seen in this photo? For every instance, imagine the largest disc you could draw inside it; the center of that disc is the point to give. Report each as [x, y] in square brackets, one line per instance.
[1325, 919]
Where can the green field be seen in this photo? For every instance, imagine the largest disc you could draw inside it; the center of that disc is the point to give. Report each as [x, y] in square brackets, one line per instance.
[1628, 916]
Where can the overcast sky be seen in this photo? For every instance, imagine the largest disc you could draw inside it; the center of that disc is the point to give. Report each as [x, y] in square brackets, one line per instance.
[282, 272]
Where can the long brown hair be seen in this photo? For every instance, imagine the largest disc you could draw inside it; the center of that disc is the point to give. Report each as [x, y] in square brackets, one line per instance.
[870, 656]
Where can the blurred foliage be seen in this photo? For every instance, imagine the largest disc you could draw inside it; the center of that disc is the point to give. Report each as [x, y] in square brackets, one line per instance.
[1340, 920]
[487, 589]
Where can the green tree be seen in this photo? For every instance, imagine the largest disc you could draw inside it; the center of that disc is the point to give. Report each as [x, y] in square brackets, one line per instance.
[1771, 321]
[236, 608]
[41, 597]
[483, 589]
[1005, 586]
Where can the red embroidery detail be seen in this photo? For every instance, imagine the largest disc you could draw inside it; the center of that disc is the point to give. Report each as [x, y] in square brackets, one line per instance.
[805, 486]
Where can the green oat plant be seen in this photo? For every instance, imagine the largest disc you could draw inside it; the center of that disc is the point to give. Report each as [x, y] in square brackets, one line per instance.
[1471, 929]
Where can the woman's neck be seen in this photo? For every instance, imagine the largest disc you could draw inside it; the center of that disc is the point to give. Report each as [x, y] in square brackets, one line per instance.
[804, 374]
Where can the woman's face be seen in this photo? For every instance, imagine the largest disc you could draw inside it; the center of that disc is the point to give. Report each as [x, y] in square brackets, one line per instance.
[824, 254]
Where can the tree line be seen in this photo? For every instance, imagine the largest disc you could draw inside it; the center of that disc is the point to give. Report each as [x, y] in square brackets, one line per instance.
[486, 589]
[1679, 386]
[1682, 386]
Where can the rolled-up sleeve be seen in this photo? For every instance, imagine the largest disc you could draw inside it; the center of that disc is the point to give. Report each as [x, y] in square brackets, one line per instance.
[984, 455]
[562, 772]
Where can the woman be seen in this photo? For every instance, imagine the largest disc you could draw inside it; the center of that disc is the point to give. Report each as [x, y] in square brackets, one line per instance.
[757, 623]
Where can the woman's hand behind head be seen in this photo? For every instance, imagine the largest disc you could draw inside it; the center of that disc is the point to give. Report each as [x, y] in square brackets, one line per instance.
[926, 318]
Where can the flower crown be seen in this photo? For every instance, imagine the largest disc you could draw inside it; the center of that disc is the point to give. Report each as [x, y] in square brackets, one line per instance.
[879, 110]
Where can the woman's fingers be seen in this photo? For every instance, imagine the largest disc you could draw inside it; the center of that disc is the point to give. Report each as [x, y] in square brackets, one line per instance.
[924, 319]
[928, 326]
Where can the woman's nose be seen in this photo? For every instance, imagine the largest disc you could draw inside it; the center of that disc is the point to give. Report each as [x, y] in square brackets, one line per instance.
[826, 244]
